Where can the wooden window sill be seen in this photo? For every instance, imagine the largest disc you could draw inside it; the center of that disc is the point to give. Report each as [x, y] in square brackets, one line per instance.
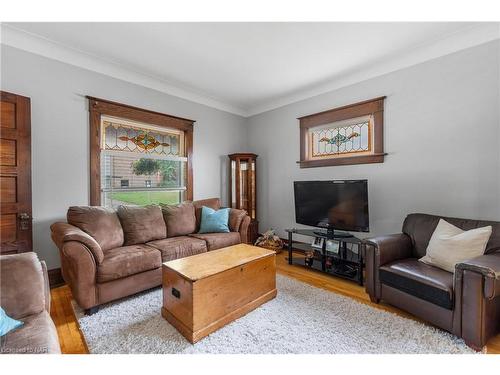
[348, 160]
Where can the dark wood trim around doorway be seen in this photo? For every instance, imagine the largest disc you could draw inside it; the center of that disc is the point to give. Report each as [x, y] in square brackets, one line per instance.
[55, 278]
[15, 174]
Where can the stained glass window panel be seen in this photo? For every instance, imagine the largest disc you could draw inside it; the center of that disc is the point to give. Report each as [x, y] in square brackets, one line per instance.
[341, 138]
[124, 137]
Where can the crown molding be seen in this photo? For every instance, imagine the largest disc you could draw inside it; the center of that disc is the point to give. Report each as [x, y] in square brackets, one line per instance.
[36, 44]
[461, 40]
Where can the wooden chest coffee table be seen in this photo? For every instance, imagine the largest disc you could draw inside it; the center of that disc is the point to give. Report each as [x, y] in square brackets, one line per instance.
[204, 292]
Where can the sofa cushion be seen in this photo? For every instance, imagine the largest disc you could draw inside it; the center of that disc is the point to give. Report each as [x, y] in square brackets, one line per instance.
[421, 226]
[22, 282]
[420, 280]
[218, 240]
[235, 219]
[128, 260]
[100, 223]
[142, 224]
[180, 219]
[179, 247]
[213, 203]
[37, 335]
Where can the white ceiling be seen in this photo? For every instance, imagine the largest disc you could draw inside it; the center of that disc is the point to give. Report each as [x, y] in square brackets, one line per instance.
[248, 68]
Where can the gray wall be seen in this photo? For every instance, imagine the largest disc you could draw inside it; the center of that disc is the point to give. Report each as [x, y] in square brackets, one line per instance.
[60, 141]
[441, 132]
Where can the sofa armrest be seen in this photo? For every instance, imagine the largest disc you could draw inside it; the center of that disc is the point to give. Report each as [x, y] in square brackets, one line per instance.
[479, 298]
[489, 267]
[379, 251]
[236, 217]
[63, 232]
[390, 247]
[80, 272]
[245, 223]
[22, 285]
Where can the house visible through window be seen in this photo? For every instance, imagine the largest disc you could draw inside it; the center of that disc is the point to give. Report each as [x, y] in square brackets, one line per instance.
[141, 163]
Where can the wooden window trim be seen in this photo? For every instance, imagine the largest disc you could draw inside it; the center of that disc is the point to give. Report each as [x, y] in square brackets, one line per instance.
[100, 107]
[373, 107]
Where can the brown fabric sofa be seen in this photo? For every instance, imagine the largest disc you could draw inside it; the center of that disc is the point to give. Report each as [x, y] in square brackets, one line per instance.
[465, 303]
[25, 296]
[108, 254]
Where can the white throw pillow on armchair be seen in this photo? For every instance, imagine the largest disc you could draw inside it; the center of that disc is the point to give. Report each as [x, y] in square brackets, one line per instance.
[450, 245]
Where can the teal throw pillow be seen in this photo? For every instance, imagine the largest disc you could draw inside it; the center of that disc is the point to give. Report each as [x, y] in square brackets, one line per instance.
[214, 221]
[7, 324]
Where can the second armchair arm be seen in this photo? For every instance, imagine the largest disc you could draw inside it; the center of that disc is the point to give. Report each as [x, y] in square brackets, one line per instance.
[489, 267]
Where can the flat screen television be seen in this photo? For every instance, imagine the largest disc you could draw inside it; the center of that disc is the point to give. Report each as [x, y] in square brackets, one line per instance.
[337, 204]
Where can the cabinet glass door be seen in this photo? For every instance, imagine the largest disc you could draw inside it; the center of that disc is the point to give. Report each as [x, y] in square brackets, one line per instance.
[233, 183]
[243, 178]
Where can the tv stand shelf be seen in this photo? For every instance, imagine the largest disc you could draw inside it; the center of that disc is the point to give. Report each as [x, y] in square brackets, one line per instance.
[347, 262]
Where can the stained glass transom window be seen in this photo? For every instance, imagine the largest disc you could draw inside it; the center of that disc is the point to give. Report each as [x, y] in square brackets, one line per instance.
[340, 138]
[118, 136]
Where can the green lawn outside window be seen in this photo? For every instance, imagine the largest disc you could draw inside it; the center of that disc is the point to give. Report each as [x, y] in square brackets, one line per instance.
[142, 198]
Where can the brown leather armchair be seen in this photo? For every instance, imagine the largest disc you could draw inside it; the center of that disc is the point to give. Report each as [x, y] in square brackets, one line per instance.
[465, 303]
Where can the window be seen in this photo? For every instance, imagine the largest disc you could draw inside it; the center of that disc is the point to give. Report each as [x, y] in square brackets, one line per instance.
[143, 158]
[351, 134]
[341, 138]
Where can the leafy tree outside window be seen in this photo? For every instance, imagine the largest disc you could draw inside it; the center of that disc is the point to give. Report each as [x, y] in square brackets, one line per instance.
[169, 170]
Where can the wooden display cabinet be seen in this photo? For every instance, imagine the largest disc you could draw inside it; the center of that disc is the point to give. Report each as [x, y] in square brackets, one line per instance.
[243, 188]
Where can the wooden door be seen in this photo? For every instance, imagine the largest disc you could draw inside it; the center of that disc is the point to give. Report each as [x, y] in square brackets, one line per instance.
[15, 174]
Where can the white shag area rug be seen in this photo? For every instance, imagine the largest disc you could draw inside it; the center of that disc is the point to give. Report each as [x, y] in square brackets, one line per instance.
[301, 319]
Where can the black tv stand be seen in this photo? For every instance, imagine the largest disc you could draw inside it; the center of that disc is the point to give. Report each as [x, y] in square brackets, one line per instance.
[346, 261]
[331, 234]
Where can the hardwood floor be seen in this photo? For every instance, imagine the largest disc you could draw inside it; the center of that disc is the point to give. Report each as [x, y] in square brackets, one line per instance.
[68, 330]
[72, 340]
